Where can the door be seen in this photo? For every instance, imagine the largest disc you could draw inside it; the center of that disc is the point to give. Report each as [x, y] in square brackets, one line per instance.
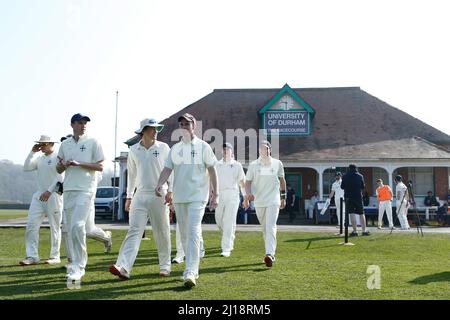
[295, 180]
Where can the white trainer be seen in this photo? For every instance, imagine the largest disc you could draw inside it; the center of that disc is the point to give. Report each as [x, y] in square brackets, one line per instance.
[76, 275]
[28, 261]
[178, 260]
[108, 244]
[164, 273]
[190, 281]
[53, 261]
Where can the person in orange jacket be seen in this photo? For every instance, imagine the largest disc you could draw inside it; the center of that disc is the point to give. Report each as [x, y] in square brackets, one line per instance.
[384, 196]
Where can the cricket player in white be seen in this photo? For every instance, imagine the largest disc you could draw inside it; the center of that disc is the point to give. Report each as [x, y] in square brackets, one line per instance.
[92, 231]
[338, 194]
[191, 159]
[79, 157]
[402, 202]
[263, 183]
[45, 202]
[231, 177]
[145, 162]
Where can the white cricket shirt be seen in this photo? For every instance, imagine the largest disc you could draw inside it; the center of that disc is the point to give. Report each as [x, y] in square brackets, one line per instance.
[189, 162]
[229, 173]
[402, 188]
[87, 150]
[46, 170]
[338, 191]
[144, 167]
[265, 181]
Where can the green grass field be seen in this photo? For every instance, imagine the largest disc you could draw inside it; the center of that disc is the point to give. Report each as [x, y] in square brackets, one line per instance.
[308, 266]
[7, 214]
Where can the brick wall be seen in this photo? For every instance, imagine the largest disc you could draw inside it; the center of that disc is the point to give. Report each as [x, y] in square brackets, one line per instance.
[441, 182]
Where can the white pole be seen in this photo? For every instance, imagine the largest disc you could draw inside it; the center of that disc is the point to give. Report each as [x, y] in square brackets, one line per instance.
[114, 159]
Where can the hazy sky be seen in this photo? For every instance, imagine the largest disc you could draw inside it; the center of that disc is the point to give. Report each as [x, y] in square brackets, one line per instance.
[62, 57]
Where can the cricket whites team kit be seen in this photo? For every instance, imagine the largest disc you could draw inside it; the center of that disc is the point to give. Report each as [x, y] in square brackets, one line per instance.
[79, 189]
[47, 179]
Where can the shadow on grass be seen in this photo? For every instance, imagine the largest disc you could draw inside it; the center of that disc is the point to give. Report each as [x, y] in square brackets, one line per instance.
[311, 240]
[50, 283]
[436, 277]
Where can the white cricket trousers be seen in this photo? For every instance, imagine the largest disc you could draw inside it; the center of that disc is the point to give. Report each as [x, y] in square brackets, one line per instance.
[226, 213]
[179, 245]
[145, 206]
[189, 219]
[52, 208]
[382, 207]
[402, 214]
[338, 208]
[92, 231]
[77, 206]
[65, 236]
[268, 217]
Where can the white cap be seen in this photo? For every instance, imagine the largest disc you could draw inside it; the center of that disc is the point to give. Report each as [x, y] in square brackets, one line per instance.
[150, 123]
[46, 139]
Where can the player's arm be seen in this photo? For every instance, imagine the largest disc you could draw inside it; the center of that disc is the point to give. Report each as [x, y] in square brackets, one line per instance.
[214, 185]
[248, 194]
[31, 161]
[95, 166]
[131, 180]
[97, 157]
[331, 194]
[282, 191]
[163, 177]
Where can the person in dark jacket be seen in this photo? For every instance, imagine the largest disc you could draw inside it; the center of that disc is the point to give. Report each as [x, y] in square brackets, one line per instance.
[430, 200]
[353, 186]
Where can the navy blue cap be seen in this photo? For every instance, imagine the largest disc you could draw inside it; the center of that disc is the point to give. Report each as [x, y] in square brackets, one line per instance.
[79, 117]
[66, 137]
[338, 174]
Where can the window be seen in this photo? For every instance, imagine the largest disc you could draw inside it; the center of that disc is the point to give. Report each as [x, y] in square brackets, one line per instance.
[328, 179]
[105, 192]
[423, 180]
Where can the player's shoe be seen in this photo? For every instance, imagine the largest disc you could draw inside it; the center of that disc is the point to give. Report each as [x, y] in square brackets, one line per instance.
[28, 261]
[53, 261]
[120, 272]
[178, 260]
[190, 281]
[108, 244]
[269, 260]
[164, 273]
